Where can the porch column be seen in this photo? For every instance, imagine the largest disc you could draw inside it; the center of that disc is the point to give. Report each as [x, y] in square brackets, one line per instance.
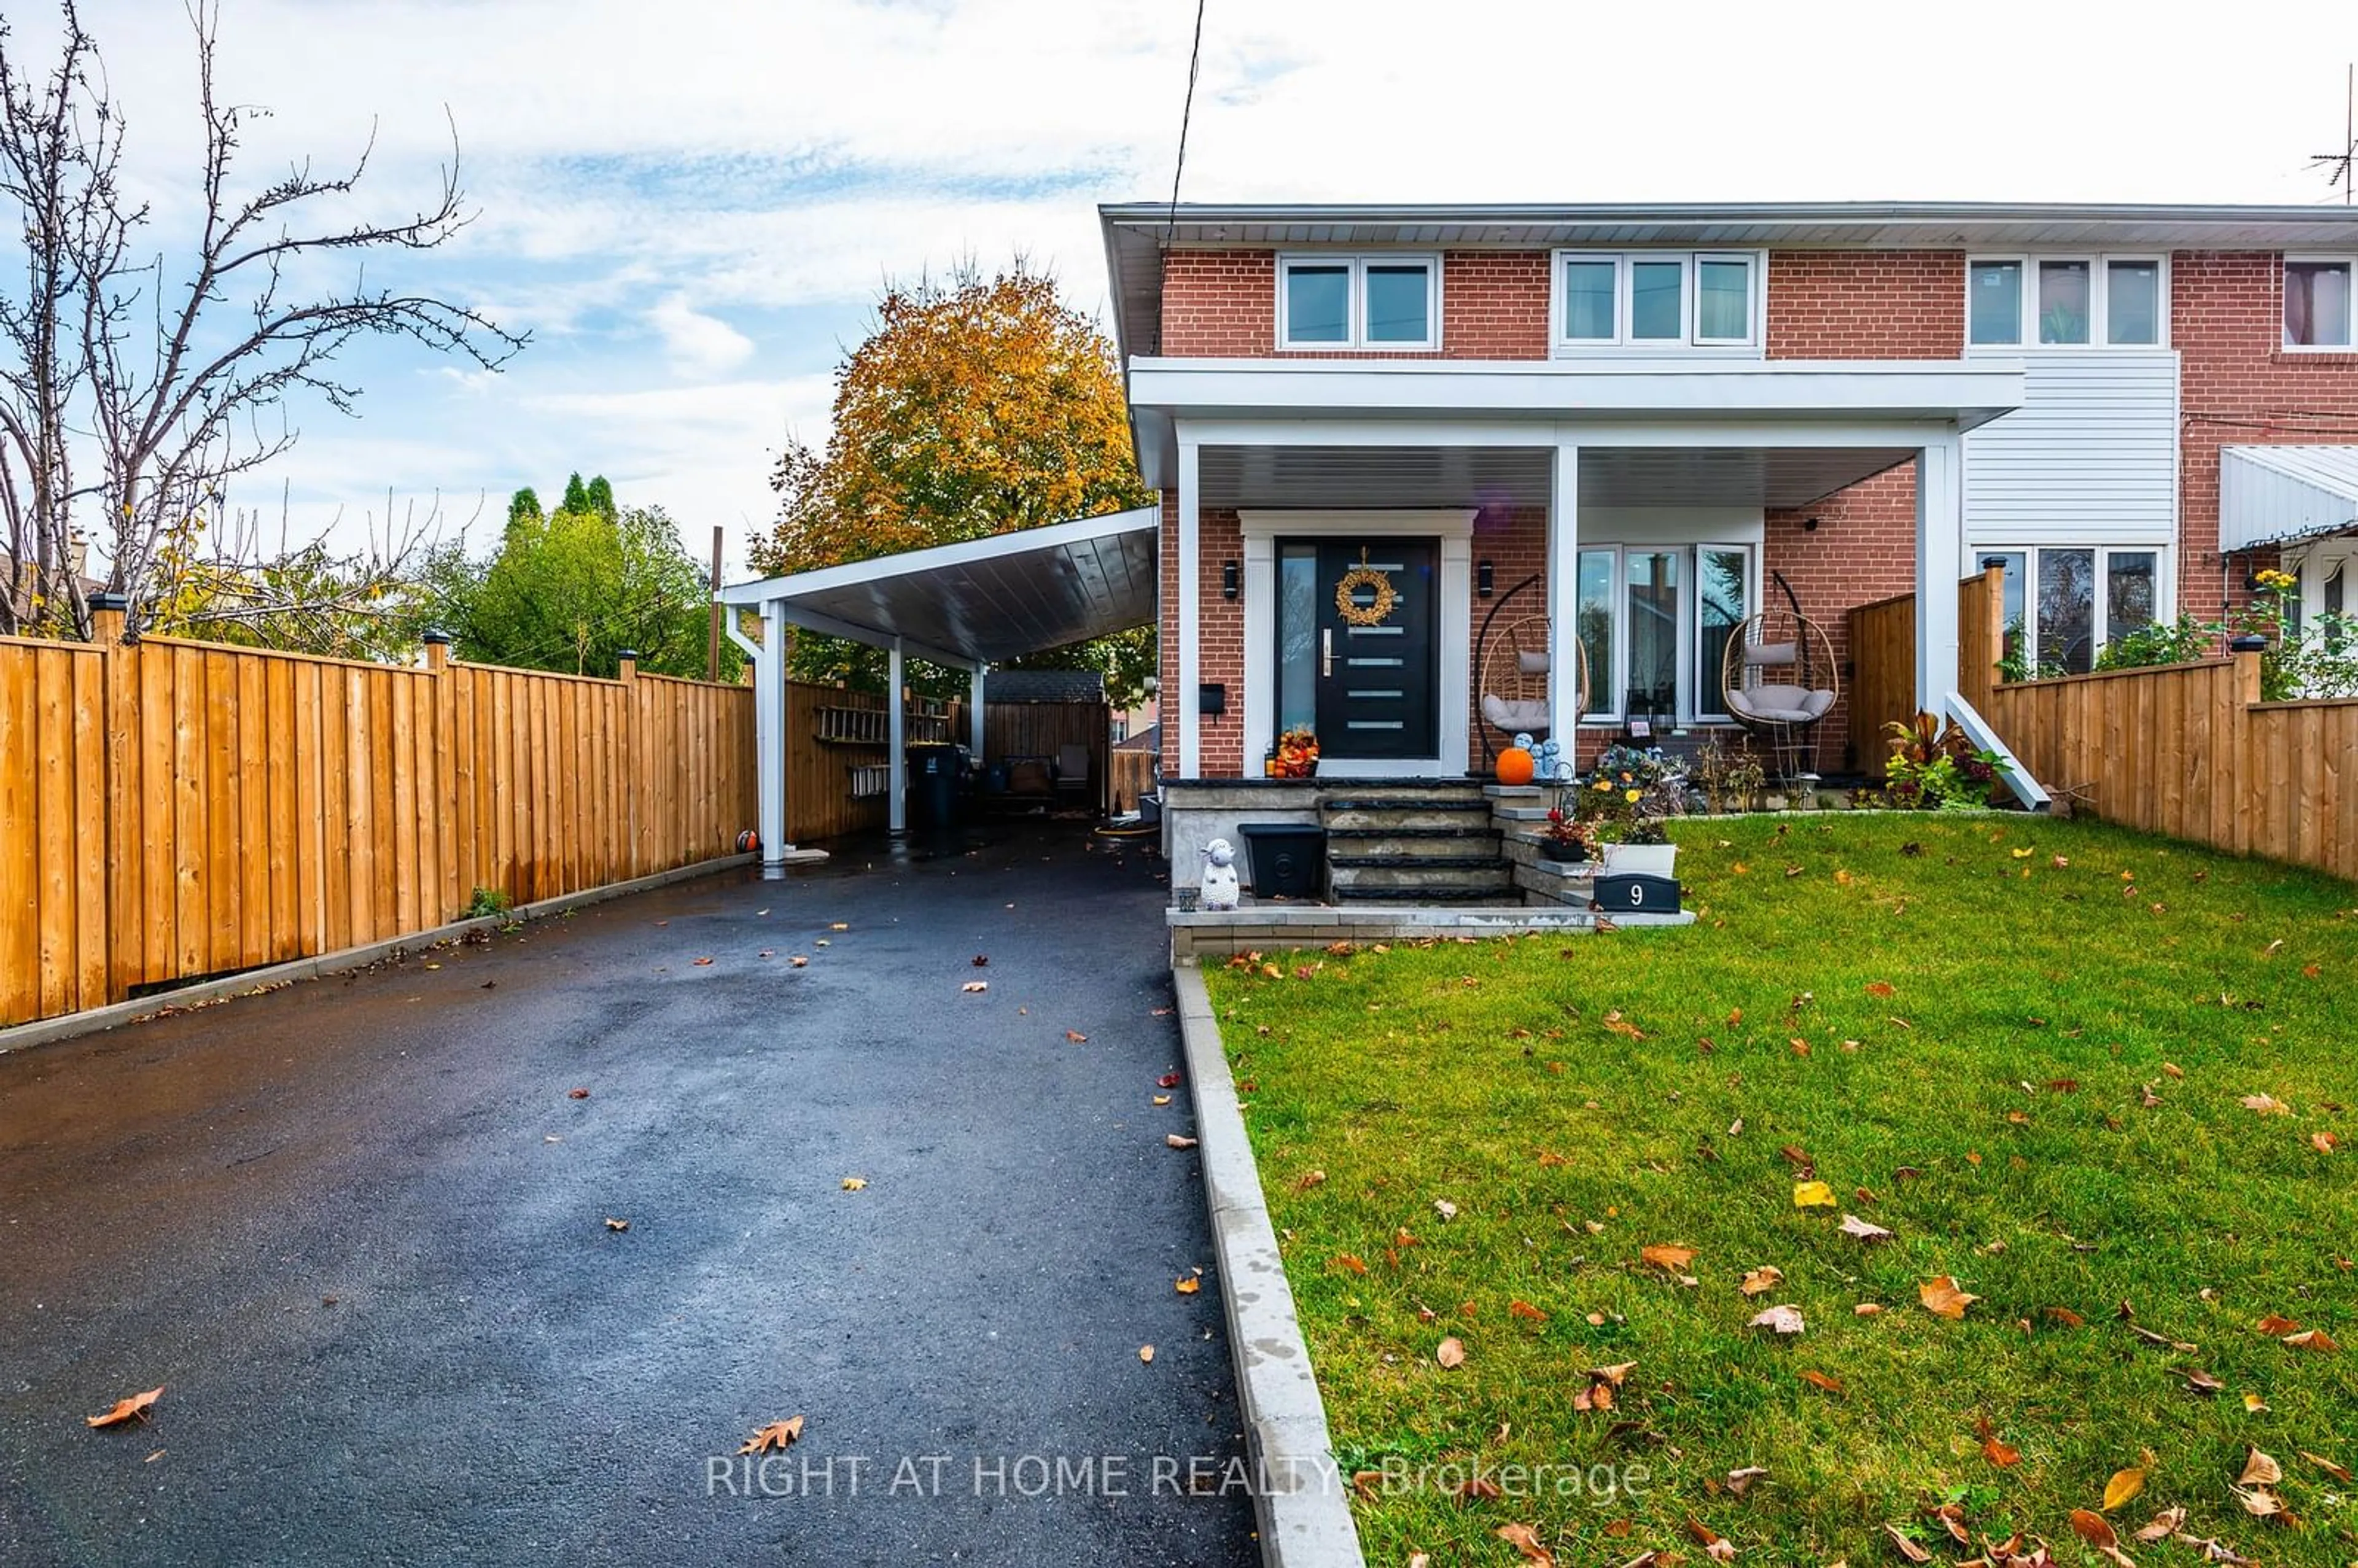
[1563, 598]
[1940, 562]
[974, 712]
[770, 739]
[896, 776]
[1191, 662]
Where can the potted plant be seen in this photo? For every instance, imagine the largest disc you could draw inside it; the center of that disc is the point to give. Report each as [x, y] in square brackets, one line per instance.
[1567, 839]
[1629, 795]
[1296, 755]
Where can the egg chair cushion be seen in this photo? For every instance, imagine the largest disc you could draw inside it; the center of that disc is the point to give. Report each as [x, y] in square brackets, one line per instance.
[1779, 705]
[1515, 713]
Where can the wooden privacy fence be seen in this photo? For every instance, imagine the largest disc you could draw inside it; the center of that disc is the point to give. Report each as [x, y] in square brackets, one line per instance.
[170, 810]
[1133, 776]
[2190, 751]
[1882, 641]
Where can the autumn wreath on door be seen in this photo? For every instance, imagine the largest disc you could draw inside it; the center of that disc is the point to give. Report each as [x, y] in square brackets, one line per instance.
[1364, 596]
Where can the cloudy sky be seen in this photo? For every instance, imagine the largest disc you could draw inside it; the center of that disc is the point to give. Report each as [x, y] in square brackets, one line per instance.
[690, 205]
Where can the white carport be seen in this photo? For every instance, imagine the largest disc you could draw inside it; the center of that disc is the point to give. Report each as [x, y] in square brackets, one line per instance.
[965, 606]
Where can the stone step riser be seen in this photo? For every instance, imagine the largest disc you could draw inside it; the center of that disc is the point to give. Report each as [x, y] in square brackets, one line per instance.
[1354, 847]
[1408, 816]
[1406, 879]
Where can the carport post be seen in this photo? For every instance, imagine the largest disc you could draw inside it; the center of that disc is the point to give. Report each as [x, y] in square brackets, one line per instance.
[974, 711]
[1563, 601]
[895, 725]
[770, 737]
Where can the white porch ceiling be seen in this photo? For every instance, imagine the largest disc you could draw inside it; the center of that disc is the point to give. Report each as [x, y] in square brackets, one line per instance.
[1289, 475]
[987, 600]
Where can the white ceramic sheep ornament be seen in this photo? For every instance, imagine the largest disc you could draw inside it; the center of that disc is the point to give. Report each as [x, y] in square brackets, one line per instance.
[1219, 884]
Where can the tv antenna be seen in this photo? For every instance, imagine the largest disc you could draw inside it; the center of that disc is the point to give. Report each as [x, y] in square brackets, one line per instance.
[2341, 162]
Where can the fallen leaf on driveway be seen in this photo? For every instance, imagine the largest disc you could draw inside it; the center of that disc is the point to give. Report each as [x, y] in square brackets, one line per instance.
[133, 1409]
[780, 1436]
[577, 1094]
[1188, 1285]
[1451, 1352]
[1167, 1081]
[1783, 1319]
[1076, 1037]
[981, 961]
[799, 962]
[618, 1225]
[973, 986]
[1178, 1141]
[1163, 1099]
[1942, 1298]
[1145, 1352]
[700, 963]
[855, 1183]
[839, 926]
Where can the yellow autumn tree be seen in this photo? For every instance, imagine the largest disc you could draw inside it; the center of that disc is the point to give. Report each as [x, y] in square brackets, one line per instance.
[976, 405]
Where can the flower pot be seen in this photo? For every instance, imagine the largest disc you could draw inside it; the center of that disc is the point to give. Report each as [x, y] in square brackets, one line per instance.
[1567, 854]
[1641, 860]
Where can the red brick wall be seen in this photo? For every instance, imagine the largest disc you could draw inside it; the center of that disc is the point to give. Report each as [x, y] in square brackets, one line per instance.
[1513, 539]
[1864, 549]
[1867, 304]
[1223, 304]
[1221, 626]
[2237, 386]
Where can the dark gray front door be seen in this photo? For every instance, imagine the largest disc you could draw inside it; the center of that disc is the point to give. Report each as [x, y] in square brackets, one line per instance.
[1374, 684]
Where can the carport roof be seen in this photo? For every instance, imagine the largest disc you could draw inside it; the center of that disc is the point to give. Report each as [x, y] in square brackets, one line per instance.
[985, 601]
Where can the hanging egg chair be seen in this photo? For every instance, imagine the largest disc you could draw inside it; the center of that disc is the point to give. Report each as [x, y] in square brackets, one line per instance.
[1779, 682]
[1514, 680]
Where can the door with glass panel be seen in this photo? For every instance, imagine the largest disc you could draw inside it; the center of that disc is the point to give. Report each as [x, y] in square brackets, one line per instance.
[1356, 646]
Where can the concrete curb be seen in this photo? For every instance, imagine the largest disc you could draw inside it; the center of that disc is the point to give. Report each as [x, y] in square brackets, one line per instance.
[1304, 1511]
[252, 982]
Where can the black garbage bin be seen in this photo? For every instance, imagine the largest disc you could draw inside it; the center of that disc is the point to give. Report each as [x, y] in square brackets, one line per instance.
[1287, 860]
[934, 767]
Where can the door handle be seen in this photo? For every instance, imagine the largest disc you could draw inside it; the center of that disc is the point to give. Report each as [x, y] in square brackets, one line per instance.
[1326, 651]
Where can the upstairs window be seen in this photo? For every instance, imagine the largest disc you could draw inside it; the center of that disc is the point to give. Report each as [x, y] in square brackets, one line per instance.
[1358, 302]
[2065, 301]
[2317, 303]
[1656, 301]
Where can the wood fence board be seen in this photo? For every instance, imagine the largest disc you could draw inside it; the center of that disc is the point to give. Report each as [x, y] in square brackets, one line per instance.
[19, 849]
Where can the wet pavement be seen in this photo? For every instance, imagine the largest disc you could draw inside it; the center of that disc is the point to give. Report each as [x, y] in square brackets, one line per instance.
[358, 1230]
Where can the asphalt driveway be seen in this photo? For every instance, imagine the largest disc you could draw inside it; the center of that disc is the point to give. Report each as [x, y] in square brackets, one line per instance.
[358, 1230]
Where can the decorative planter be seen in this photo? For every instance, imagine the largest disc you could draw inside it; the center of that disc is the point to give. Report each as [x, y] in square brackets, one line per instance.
[1641, 860]
[1567, 854]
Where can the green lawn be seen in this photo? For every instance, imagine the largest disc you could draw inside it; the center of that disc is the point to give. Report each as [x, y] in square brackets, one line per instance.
[2022, 1046]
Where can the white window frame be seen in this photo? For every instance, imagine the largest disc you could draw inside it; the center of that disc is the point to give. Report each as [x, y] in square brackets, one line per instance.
[2284, 338]
[2099, 273]
[1356, 340]
[1689, 340]
[2164, 565]
[1689, 678]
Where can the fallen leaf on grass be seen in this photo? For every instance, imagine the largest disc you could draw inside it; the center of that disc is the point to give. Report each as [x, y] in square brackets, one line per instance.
[1614, 1374]
[780, 1436]
[2097, 1532]
[1942, 1298]
[2323, 1142]
[1716, 1547]
[2266, 1105]
[2276, 1326]
[1351, 1261]
[1740, 1481]
[973, 986]
[1663, 1255]
[1881, 989]
[1819, 1380]
[1178, 1141]
[1479, 1488]
[1451, 1352]
[2125, 1485]
[2164, 1525]
[2338, 1472]
[1814, 1194]
[1761, 1281]
[1784, 1319]
[1906, 1548]
[2005, 1456]
[1445, 1208]
[1523, 1309]
[1854, 1225]
[1620, 1025]
[2258, 1503]
[1868, 1309]
[1525, 1539]
[2259, 1469]
[1308, 1180]
[2312, 1339]
[133, 1409]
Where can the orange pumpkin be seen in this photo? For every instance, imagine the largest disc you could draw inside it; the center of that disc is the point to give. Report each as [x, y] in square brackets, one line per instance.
[1514, 766]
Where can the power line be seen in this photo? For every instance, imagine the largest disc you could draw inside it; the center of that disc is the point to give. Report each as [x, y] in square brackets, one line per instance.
[1186, 113]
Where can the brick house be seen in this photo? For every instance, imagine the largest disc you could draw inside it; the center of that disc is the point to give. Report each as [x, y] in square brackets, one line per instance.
[1642, 426]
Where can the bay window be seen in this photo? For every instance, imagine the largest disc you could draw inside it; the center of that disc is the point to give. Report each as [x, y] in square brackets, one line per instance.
[1649, 301]
[1654, 622]
[2063, 603]
[1379, 301]
[2065, 301]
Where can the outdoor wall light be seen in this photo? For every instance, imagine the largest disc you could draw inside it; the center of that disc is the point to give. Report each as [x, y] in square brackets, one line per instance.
[1227, 579]
[1810, 524]
[1484, 580]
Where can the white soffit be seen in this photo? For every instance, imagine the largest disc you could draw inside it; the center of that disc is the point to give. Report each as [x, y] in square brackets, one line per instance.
[988, 599]
[2277, 495]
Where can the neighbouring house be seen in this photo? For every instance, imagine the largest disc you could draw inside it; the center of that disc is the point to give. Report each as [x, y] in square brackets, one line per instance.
[1649, 423]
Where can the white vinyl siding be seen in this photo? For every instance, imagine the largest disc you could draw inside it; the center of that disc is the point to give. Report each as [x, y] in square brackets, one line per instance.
[2091, 457]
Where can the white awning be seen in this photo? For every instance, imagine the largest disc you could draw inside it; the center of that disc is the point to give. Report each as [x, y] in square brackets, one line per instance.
[986, 601]
[2282, 496]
